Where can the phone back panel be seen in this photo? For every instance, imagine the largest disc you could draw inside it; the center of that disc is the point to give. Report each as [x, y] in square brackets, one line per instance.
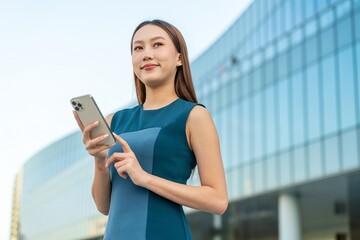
[88, 112]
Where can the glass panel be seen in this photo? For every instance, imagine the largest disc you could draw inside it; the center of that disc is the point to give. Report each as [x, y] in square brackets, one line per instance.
[357, 20]
[329, 91]
[332, 163]
[297, 36]
[327, 18]
[296, 57]
[321, 4]
[298, 11]
[343, 8]
[270, 120]
[344, 32]
[269, 69]
[350, 150]
[327, 41]
[271, 173]
[258, 126]
[288, 16]
[311, 49]
[236, 187]
[313, 102]
[247, 182]
[224, 137]
[285, 168]
[283, 65]
[309, 8]
[298, 111]
[358, 72]
[259, 176]
[347, 91]
[235, 132]
[311, 28]
[284, 115]
[299, 165]
[315, 160]
[246, 130]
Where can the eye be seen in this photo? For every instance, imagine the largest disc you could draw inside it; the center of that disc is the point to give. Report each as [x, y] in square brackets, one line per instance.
[137, 48]
[157, 44]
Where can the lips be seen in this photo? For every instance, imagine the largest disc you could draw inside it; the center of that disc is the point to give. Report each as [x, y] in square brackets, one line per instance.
[149, 66]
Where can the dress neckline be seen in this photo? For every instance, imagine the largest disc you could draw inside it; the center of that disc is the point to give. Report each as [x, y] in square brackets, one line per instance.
[158, 109]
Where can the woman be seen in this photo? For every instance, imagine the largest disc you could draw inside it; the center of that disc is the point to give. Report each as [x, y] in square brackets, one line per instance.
[141, 181]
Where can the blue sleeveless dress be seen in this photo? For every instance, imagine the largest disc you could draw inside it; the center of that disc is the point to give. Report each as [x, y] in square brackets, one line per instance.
[158, 139]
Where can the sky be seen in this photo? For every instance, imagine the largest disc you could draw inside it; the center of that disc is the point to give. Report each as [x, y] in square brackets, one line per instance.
[51, 51]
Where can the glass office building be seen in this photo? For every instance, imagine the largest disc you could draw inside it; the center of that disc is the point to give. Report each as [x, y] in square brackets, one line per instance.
[282, 84]
[56, 200]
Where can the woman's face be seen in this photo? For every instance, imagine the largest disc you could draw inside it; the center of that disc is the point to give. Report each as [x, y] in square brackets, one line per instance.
[154, 56]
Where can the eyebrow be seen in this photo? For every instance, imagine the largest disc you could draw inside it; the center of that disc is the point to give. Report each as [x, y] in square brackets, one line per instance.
[152, 39]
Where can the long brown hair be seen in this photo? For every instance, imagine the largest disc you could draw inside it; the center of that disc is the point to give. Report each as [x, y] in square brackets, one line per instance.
[184, 86]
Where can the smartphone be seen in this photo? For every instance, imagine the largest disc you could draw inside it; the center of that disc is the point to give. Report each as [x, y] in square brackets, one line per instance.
[89, 112]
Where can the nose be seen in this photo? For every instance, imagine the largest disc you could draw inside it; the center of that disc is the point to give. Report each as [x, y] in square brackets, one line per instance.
[148, 54]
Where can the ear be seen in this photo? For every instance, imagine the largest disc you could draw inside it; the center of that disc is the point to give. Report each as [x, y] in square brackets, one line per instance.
[179, 62]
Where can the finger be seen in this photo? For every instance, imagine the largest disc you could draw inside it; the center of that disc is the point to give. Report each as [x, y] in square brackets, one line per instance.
[87, 131]
[96, 143]
[93, 151]
[115, 157]
[122, 172]
[79, 123]
[123, 143]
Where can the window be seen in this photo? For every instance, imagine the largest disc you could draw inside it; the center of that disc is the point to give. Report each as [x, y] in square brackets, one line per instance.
[285, 169]
[257, 124]
[296, 57]
[357, 20]
[311, 49]
[350, 150]
[259, 176]
[330, 96]
[344, 31]
[246, 127]
[299, 163]
[271, 173]
[327, 41]
[332, 163]
[234, 133]
[270, 120]
[309, 8]
[298, 110]
[347, 91]
[313, 102]
[358, 72]
[283, 64]
[284, 114]
[315, 160]
[327, 18]
[248, 184]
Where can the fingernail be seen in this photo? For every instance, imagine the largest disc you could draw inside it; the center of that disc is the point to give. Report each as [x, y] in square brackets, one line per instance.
[96, 123]
[106, 135]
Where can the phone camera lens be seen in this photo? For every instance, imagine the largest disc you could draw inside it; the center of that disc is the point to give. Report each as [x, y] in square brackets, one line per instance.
[77, 109]
[73, 103]
[79, 105]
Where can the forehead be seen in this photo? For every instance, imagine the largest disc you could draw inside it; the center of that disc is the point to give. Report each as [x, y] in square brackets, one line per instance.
[149, 32]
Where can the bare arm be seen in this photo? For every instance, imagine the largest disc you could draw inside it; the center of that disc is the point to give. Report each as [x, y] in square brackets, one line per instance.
[211, 196]
[101, 186]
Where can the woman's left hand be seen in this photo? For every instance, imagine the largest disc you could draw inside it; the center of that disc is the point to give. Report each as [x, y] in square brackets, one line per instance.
[126, 163]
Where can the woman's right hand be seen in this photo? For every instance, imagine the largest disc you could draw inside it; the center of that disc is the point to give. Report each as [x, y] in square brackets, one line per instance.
[99, 152]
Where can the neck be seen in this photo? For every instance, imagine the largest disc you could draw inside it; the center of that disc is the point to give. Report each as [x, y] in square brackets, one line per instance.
[159, 97]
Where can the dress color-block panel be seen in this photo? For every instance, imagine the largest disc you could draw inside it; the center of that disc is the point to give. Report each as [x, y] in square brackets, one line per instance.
[158, 139]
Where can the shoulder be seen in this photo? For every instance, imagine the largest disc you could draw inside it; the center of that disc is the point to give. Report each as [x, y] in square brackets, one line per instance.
[198, 113]
[120, 114]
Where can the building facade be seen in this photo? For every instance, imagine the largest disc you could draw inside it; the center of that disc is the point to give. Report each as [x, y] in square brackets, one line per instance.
[56, 200]
[282, 84]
